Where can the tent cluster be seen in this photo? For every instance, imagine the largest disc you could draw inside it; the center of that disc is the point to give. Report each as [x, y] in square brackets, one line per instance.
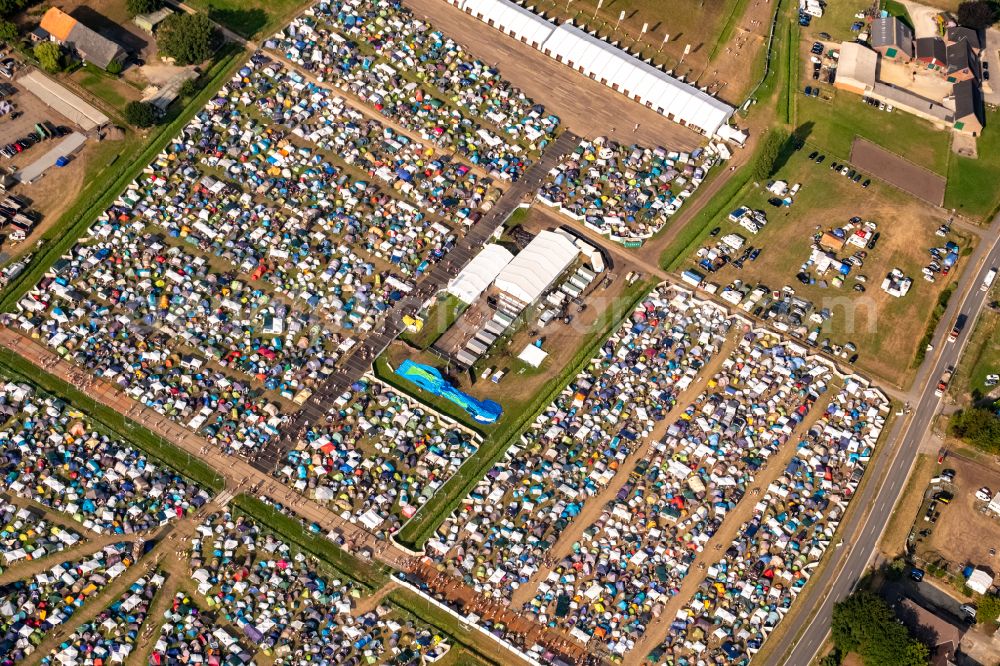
[284, 607]
[505, 529]
[30, 608]
[421, 80]
[110, 637]
[191, 636]
[377, 456]
[53, 457]
[433, 181]
[747, 592]
[632, 559]
[625, 192]
[25, 534]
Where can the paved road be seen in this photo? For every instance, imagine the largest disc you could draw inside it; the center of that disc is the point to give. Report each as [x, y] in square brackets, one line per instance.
[862, 532]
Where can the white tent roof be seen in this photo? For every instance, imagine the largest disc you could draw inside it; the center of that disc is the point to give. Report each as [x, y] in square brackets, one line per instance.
[479, 273]
[510, 18]
[533, 270]
[611, 65]
[980, 581]
[63, 101]
[532, 355]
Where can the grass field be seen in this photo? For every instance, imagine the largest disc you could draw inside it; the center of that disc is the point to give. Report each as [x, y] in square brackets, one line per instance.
[111, 422]
[836, 122]
[105, 87]
[438, 319]
[972, 183]
[981, 357]
[249, 17]
[105, 185]
[885, 329]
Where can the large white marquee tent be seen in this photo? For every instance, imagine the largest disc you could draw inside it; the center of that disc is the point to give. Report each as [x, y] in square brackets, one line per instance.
[605, 63]
[479, 273]
[536, 267]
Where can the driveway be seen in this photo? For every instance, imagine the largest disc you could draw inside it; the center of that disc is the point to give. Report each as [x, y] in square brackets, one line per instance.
[923, 18]
[991, 54]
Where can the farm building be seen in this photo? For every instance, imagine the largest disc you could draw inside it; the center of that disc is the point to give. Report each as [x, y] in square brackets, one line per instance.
[856, 68]
[88, 44]
[892, 38]
[968, 115]
[148, 22]
[933, 52]
[535, 268]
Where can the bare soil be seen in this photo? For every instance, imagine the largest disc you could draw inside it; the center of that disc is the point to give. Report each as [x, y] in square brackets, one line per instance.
[895, 170]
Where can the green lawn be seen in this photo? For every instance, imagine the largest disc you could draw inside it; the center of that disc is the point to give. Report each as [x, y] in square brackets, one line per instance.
[897, 9]
[835, 123]
[104, 87]
[837, 19]
[438, 319]
[973, 183]
[981, 357]
[111, 422]
[249, 17]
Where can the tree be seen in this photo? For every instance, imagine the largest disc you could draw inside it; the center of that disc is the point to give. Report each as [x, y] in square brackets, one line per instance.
[988, 609]
[977, 426]
[141, 114]
[978, 14]
[136, 7]
[114, 67]
[187, 38]
[49, 56]
[864, 623]
[190, 88]
[8, 7]
[8, 31]
[767, 154]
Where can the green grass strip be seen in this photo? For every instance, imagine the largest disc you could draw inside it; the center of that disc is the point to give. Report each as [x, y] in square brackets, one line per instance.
[412, 604]
[370, 575]
[101, 192]
[112, 423]
[425, 522]
[737, 8]
[696, 228]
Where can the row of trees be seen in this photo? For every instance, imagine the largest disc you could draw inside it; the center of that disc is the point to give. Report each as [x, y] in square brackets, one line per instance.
[978, 426]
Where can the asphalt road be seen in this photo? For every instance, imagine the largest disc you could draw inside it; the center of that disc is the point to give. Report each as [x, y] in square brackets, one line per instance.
[862, 532]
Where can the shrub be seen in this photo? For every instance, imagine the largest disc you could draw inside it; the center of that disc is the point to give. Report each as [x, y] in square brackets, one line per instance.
[141, 114]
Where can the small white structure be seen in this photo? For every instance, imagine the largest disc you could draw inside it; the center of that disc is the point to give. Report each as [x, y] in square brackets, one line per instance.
[896, 284]
[994, 504]
[479, 273]
[533, 356]
[979, 581]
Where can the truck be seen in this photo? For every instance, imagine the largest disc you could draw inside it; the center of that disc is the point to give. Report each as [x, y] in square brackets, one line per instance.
[988, 280]
[942, 385]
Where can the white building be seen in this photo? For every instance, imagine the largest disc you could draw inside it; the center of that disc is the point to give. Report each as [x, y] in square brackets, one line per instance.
[479, 273]
[535, 268]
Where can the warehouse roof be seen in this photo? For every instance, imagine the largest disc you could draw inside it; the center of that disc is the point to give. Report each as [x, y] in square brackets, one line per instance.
[480, 273]
[63, 101]
[513, 19]
[537, 266]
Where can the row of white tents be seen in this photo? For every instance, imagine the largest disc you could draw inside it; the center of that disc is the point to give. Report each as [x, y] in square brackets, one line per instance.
[603, 62]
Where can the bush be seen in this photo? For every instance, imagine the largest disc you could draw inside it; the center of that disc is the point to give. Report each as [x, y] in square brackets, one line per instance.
[8, 31]
[187, 38]
[190, 88]
[8, 7]
[141, 114]
[768, 154]
[49, 56]
[988, 609]
[977, 426]
[136, 7]
[114, 68]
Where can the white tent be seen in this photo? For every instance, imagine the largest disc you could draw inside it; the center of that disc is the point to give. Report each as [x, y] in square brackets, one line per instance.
[533, 270]
[479, 273]
[63, 101]
[639, 80]
[533, 356]
[520, 23]
[980, 581]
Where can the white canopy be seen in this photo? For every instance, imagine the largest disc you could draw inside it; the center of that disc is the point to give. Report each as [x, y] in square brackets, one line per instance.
[637, 79]
[533, 270]
[980, 581]
[518, 22]
[479, 273]
[533, 356]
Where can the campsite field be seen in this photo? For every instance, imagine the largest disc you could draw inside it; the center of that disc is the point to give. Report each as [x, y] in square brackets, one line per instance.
[963, 533]
[885, 329]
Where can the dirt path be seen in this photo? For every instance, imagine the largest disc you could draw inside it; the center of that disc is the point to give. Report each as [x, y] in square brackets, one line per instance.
[730, 527]
[372, 601]
[30, 568]
[594, 506]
